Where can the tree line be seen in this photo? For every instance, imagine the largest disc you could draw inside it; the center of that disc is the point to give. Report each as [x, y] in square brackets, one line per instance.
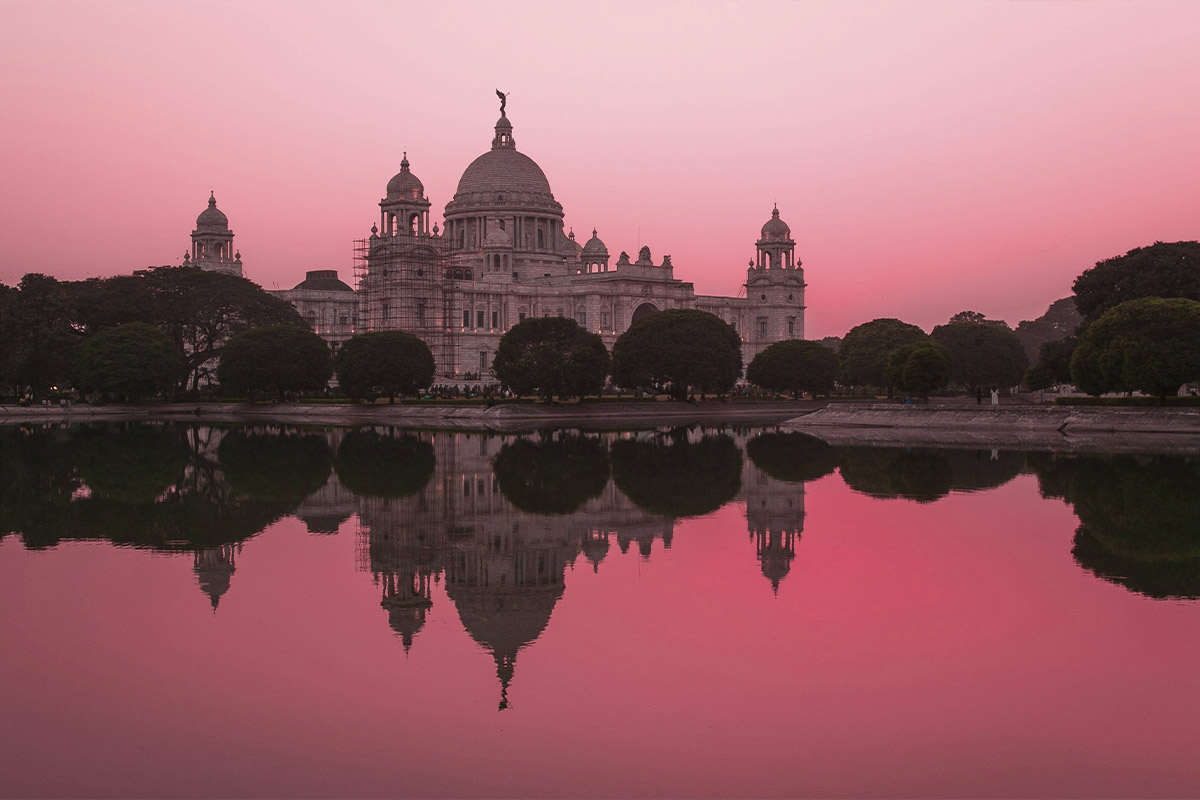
[160, 331]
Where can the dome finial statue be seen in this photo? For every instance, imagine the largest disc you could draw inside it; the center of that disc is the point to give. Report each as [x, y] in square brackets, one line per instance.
[503, 99]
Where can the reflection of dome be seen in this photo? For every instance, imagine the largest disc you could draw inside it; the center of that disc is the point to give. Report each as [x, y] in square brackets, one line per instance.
[595, 549]
[322, 280]
[211, 217]
[776, 229]
[214, 568]
[594, 248]
[404, 184]
[775, 567]
[406, 620]
[323, 521]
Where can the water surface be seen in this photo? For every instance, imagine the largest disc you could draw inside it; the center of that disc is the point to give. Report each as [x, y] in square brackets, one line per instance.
[192, 611]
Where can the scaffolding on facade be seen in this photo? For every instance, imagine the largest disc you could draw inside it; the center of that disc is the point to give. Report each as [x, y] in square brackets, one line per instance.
[404, 283]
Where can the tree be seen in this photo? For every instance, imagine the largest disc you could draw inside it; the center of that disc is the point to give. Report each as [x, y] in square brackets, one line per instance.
[1060, 321]
[832, 342]
[792, 457]
[551, 356]
[200, 310]
[794, 366]
[45, 339]
[274, 360]
[372, 464]
[865, 351]
[1053, 364]
[975, 316]
[677, 351]
[1161, 270]
[919, 368]
[1150, 345]
[982, 354]
[129, 362]
[553, 476]
[383, 364]
[678, 478]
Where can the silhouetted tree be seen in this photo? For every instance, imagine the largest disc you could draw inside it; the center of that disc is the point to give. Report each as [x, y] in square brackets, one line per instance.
[792, 457]
[982, 354]
[865, 351]
[1150, 345]
[551, 356]
[1060, 321]
[44, 339]
[129, 362]
[919, 368]
[678, 478]
[552, 476]
[794, 366]
[1053, 364]
[274, 361]
[372, 464]
[677, 351]
[1164, 269]
[383, 364]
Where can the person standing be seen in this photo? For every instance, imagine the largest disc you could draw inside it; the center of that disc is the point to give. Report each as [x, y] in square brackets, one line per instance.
[995, 396]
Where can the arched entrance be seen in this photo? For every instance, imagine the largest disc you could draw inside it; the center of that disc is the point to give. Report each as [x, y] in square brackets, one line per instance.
[643, 311]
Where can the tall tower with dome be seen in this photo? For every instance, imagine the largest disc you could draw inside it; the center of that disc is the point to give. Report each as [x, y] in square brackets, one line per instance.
[212, 242]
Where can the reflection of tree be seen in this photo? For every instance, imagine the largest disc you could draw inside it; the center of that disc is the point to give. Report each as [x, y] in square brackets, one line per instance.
[1139, 518]
[376, 465]
[274, 466]
[678, 478]
[552, 476]
[791, 457]
[130, 463]
[890, 472]
[37, 483]
[974, 470]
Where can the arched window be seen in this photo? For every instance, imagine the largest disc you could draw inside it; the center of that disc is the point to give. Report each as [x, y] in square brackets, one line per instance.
[467, 274]
[413, 224]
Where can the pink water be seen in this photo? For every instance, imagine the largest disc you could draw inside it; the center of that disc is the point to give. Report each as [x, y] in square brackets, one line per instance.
[952, 648]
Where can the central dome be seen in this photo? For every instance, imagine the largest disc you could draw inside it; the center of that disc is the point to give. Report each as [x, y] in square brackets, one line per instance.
[503, 180]
[503, 169]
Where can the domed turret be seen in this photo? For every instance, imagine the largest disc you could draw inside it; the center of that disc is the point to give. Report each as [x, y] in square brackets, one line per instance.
[405, 185]
[211, 218]
[594, 255]
[776, 230]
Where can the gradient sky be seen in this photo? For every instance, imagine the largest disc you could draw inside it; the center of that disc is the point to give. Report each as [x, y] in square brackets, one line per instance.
[929, 157]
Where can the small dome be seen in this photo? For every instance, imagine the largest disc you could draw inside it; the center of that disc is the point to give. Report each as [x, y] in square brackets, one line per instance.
[322, 280]
[211, 217]
[503, 123]
[404, 183]
[594, 247]
[776, 228]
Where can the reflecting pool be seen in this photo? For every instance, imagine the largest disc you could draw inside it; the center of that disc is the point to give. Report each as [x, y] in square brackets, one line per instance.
[262, 611]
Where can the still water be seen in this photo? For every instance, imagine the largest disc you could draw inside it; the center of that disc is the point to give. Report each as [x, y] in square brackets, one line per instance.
[193, 611]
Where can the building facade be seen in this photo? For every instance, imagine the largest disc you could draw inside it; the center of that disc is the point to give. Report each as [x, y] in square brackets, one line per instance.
[502, 254]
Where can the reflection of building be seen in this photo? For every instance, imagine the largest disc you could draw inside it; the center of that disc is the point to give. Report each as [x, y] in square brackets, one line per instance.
[214, 568]
[504, 568]
[775, 519]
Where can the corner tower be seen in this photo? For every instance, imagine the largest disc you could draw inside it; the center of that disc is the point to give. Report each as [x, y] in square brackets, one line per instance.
[774, 289]
[212, 242]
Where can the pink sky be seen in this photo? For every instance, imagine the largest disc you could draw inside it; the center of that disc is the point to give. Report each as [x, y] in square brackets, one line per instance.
[929, 157]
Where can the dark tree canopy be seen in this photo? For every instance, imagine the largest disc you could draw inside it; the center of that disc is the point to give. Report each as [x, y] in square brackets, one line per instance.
[383, 364]
[41, 337]
[129, 362]
[1139, 518]
[794, 366]
[1053, 364]
[274, 361]
[1060, 321]
[553, 476]
[678, 478]
[982, 354]
[865, 351]
[792, 457]
[1150, 345]
[919, 368]
[551, 356]
[677, 351]
[976, 316]
[372, 464]
[275, 465]
[1164, 269]
[920, 475]
[832, 342]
